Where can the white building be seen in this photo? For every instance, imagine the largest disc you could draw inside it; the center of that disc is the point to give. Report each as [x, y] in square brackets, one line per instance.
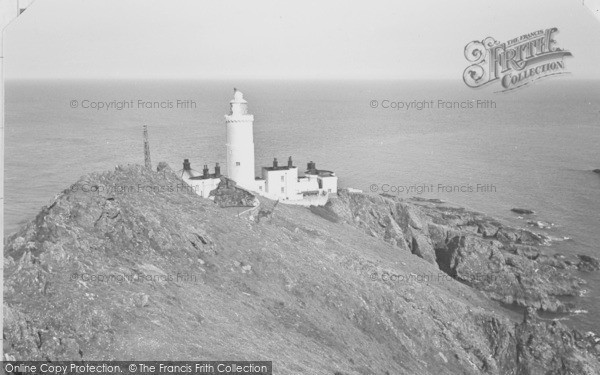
[281, 182]
[201, 183]
[326, 180]
[277, 182]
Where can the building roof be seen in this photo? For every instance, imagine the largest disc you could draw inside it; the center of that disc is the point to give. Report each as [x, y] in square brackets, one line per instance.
[202, 177]
[189, 173]
[279, 168]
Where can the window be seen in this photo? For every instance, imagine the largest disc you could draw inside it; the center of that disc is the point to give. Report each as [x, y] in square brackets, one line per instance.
[237, 163]
[260, 188]
[283, 190]
[282, 178]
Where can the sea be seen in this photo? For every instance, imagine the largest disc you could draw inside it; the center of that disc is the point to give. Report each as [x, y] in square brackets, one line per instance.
[489, 151]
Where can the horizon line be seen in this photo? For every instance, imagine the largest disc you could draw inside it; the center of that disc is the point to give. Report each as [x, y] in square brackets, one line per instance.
[221, 79]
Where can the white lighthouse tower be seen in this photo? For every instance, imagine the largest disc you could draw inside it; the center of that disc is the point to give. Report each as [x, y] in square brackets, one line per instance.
[240, 142]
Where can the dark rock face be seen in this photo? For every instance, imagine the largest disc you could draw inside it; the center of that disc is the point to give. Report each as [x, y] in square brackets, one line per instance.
[588, 264]
[596, 171]
[160, 273]
[505, 263]
[522, 211]
[162, 166]
[505, 277]
[227, 194]
[377, 218]
[551, 348]
[537, 347]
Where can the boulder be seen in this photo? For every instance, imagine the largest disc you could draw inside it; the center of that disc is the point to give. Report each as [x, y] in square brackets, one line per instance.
[163, 166]
[228, 194]
[507, 235]
[588, 263]
[488, 229]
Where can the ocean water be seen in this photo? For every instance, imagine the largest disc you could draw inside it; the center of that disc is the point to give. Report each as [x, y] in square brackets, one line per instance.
[535, 148]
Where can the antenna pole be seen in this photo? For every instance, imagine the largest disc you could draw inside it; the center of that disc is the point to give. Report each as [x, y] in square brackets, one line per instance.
[147, 161]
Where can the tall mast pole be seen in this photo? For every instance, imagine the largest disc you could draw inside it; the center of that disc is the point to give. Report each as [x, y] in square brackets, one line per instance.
[147, 161]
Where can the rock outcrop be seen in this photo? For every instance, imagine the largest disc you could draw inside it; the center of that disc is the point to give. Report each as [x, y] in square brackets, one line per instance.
[505, 263]
[228, 194]
[551, 348]
[588, 264]
[522, 211]
[141, 269]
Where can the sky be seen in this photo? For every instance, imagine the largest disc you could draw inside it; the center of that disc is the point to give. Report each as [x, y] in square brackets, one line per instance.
[275, 39]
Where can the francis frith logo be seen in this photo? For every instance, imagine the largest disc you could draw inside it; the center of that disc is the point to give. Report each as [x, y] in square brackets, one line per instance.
[515, 63]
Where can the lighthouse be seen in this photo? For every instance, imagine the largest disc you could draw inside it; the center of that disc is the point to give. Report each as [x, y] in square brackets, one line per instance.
[240, 142]
[279, 182]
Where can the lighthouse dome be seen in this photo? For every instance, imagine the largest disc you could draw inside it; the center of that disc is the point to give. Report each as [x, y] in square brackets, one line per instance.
[238, 105]
[238, 96]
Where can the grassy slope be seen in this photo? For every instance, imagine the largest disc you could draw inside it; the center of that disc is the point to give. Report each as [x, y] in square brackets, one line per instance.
[307, 303]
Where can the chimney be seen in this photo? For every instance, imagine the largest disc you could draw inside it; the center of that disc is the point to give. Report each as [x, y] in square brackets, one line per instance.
[205, 171]
[275, 163]
[186, 164]
[311, 166]
[217, 171]
[290, 164]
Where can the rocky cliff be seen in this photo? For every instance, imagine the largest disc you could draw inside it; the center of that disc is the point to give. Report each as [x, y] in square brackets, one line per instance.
[508, 264]
[129, 265]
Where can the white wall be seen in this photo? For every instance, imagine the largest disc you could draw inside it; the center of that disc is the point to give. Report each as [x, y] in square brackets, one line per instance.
[202, 187]
[330, 184]
[240, 149]
[286, 179]
[309, 200]
[261, 186]
[308, 183]
[240, 143]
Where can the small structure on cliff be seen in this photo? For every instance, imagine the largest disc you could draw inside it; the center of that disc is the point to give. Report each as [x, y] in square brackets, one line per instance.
[202, 183]
[283, 183]
[277, 182]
